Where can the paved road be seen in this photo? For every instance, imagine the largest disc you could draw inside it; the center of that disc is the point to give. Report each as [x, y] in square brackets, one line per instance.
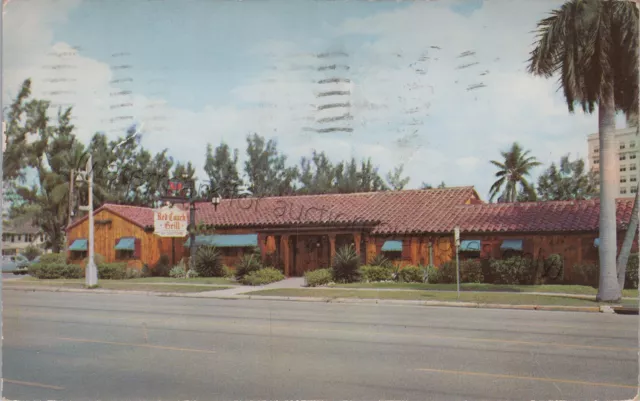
[88, 347]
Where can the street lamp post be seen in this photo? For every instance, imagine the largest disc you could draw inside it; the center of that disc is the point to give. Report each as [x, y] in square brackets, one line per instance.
[91, 270]
[180, 193]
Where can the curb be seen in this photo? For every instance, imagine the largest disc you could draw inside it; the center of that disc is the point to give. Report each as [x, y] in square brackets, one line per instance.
[591, 309]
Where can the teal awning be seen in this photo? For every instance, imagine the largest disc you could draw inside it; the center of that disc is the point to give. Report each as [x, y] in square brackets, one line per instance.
[126, 244]
[79, 245]
[514, 244]
[392, 246]
[226, 240]
[470, 246]
[596, 242]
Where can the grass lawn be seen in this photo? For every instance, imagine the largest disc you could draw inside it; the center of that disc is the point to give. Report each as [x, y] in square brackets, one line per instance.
[168, 280]
[126, 285]
[506, 298]
[568, 289]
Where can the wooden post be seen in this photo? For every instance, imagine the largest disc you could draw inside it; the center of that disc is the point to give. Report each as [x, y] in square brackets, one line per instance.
[357, 237]
[262, 239]
[414, 251]
[284, 246]
[332, 244]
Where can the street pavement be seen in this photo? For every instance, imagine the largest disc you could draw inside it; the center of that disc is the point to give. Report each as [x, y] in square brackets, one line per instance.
[71, 346]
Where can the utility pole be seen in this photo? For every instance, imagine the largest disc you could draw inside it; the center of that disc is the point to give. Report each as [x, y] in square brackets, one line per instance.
[91, 270]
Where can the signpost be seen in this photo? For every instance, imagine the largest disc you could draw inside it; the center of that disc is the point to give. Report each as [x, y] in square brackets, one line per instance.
[456, 236]
[170, 222]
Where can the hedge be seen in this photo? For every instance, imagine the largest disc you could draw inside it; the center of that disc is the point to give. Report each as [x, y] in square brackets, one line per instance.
[318, 277]
[53, 271]
[372, 274]
[262, 276]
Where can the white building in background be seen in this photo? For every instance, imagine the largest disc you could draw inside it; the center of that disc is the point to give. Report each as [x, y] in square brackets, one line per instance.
[18, 234]
[628, 144]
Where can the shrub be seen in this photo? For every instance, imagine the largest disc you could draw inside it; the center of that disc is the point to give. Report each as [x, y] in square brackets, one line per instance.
[248, 264]
[586, 274]
[380, 260]
[471, 271]
[177, 272]
[53, 258]
[431, 274]
[315, 278]
[112, 271]
[162, 267]
[411, 274]
[262, 276]
[133, 273]
[631, 276]
[31, 252]
[54, 271]
[372, 274]
[515, 270]
[192, 273]
[345, 265]
[447, 273]
[208, 262]
[145, 272]
[553, 269]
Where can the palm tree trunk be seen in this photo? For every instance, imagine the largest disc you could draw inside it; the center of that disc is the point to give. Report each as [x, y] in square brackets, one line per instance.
[629, 236]
[608, 289]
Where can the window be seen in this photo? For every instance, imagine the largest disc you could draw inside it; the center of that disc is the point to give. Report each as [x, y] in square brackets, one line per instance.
[632, 179]
[622, 168]
[13, 238]
[623, 191]
[632, 167]
[78, 255]
[622, 146]
[634, 190]
[124, 254]
[632, 156]
[623, 180]
[623, 157]
[596, 161]
[596, 150]
[632, 144]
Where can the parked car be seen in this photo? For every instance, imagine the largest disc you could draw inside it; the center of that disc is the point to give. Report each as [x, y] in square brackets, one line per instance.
[16, 264]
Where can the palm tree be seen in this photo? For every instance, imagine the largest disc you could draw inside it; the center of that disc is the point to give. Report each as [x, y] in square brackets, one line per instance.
[593, 44]
[512, 172]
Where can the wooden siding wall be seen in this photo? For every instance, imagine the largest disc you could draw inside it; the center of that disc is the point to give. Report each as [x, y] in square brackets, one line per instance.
[574, 248]
[106, 236]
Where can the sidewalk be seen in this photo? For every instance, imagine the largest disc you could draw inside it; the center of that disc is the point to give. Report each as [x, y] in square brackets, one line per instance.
[293, 282]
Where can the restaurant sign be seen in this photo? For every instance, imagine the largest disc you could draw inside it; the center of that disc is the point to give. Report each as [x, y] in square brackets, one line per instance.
[170, 222]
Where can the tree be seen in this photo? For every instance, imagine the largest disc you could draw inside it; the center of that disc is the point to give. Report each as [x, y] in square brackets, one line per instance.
[512, 173]
[317, 174]
[567, 181]
[368, 178]
[395, 180]
[593, 44]
[222, 169]
[627, 243]
[266, 168]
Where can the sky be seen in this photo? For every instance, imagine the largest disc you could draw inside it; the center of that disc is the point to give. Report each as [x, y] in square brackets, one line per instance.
[437, 86]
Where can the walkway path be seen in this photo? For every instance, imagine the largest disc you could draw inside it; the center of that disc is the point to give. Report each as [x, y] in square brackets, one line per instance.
[293, 282]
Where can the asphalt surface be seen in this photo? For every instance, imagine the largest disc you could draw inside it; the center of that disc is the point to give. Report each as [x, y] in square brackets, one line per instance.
[68, 346]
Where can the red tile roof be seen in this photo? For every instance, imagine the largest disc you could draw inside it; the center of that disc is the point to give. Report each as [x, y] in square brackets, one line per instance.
[391, 212]
[553, 216]
[399, 212]
[140, 216]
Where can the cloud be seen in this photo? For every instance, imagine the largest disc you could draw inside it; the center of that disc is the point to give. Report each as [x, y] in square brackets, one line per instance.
[441, 92]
